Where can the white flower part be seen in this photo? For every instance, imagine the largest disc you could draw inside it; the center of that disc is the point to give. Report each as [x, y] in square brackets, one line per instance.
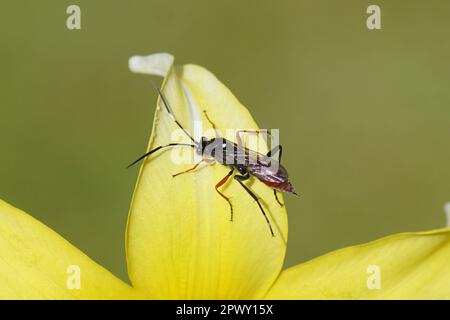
[157, 64]
[447, 213]
[194, 111]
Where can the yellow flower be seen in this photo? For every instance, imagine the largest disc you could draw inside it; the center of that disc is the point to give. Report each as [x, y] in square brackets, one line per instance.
[181, 244]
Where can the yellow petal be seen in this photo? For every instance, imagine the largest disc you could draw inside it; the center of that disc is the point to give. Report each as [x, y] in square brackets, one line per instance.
[401, 266]
[36, 263]
[180, 240]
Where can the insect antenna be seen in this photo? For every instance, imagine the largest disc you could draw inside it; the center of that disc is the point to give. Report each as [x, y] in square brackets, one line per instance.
[169, 111]
[159, 148]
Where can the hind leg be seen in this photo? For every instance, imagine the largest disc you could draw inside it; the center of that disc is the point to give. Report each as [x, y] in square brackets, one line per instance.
[276, 198]
[241, 180]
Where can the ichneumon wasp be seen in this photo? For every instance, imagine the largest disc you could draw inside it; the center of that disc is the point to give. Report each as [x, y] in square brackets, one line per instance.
[265, 167]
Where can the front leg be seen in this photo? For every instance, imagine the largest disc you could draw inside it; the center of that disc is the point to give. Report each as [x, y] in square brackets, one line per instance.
[208, 161]
[212, 124]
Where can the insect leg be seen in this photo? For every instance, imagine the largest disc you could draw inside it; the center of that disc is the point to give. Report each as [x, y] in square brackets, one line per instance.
[276, 197]
[221, 183]
[209, 162]
[242, 178]
[188, 170]
[238, 135]
[212, 124]
[276, 149]
[159, 148]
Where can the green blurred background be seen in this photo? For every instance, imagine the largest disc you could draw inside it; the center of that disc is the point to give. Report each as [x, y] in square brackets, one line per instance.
[364, 116]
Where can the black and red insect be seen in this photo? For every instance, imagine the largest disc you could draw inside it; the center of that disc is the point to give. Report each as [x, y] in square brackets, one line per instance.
[265, 167]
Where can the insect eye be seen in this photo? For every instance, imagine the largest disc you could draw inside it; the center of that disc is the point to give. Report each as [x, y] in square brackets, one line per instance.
[242, 169]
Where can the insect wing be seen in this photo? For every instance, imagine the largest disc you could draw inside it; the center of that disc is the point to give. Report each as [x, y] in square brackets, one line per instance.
[252, 157]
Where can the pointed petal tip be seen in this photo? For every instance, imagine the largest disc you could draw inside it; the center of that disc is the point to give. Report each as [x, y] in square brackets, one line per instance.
[157, 64]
